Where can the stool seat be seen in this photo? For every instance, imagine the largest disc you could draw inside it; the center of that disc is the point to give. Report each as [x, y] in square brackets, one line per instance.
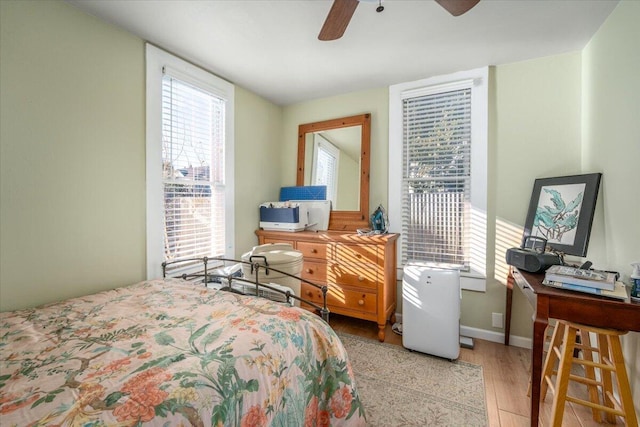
[609, 365]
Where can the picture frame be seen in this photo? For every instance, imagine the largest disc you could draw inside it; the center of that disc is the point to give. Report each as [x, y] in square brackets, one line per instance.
[561, 211]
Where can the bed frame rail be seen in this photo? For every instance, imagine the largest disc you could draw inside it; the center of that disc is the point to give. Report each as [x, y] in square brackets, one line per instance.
[205, 275]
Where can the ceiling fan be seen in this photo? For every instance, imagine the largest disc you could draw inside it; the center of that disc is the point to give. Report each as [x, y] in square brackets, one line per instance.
[342, 11]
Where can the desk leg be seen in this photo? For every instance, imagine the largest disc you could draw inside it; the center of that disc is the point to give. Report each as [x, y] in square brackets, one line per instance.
[507, 323]
[539, 327]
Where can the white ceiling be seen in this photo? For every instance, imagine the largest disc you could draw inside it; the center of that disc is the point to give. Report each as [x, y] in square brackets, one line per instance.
[272, 47]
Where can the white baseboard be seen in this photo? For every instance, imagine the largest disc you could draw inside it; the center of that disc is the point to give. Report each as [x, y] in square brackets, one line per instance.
[492, 336]
[483, 334]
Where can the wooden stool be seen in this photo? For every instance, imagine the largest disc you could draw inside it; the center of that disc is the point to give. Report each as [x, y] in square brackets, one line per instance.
[611, 363]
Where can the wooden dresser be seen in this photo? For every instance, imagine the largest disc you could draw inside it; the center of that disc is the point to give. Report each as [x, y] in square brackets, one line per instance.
[360, 271]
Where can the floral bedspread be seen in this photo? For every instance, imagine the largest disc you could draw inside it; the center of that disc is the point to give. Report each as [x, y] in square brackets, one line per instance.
[171, 353]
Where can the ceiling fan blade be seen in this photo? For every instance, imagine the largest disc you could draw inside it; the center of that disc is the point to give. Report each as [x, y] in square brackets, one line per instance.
[338, 19]
[457, 7]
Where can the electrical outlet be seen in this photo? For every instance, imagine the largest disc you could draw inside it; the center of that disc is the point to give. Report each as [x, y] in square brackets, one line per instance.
[497, 320]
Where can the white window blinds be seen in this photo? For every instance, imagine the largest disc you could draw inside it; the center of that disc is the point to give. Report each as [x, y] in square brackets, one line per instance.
[193, 136]
[436, 177]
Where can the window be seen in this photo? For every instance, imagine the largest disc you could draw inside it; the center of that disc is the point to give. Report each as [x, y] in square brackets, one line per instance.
[325, 171]
[436, 178]
[189, 162]
[437, 171]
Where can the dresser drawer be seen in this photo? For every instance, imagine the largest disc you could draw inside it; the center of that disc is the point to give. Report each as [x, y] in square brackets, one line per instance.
[338, 297]
[312, 250]
[360, 275]
[355, 254]
[311, 293]
[314, 271]
[269, 240]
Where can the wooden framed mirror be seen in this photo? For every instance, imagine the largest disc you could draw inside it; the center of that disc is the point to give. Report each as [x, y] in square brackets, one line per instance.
[336, 153]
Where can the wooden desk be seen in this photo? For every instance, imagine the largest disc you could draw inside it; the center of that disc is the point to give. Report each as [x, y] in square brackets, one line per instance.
[552, 303]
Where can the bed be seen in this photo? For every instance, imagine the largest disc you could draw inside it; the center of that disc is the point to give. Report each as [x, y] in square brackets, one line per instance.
[171, 352]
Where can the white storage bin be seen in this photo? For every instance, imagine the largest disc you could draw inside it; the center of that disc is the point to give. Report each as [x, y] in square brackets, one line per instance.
[280, 256]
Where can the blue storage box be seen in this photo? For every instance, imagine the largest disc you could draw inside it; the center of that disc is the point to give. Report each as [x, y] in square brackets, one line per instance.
[306, 192]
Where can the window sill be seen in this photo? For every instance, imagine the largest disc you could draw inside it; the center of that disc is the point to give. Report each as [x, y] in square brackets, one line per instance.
[473, 281]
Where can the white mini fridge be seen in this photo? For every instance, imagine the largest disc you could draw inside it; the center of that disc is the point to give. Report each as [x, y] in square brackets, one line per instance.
[431, 311]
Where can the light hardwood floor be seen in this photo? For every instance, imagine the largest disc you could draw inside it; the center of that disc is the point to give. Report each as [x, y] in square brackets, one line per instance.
[506, 378]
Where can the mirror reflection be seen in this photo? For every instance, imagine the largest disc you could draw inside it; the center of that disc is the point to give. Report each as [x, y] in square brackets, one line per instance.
[332, 158]
[335, 152]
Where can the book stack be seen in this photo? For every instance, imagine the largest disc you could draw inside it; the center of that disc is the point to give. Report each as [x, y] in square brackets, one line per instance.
[595, 282]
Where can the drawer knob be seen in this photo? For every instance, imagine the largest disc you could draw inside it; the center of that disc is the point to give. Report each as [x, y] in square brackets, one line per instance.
[361, 278]
[309, 293]
[308, 270]
[361, 302]
[314, 251]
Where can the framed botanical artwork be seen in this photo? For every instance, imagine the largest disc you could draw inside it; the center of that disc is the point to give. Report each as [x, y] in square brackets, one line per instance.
[561, 211]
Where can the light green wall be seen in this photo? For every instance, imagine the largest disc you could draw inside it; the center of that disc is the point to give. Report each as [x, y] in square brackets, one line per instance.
[349, 179]
[611, 144]
[72, 152]
[258, 163]
[536, 124]
[537, 127]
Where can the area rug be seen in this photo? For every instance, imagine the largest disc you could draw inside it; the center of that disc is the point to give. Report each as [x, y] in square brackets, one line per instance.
[402, 388]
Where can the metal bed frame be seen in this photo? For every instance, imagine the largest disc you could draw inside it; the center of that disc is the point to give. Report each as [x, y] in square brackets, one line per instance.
[256, 266]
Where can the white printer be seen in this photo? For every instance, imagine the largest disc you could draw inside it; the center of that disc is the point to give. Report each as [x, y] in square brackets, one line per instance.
[295, 215]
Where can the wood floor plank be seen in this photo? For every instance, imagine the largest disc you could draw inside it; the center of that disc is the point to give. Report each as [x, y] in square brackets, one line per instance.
[493, 412]
[514, 420]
